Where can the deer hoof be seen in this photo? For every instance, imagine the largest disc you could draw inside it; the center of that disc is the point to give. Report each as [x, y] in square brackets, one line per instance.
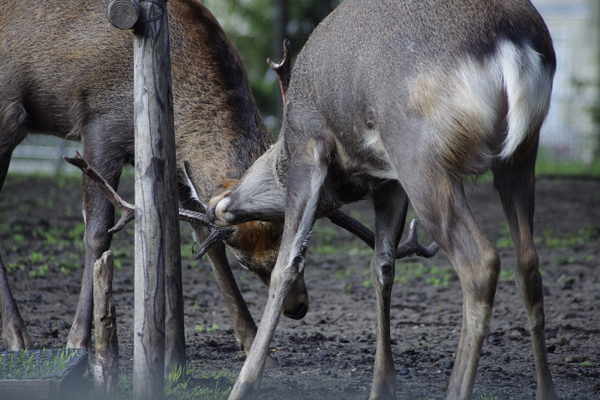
[243, 391]
[381, 391]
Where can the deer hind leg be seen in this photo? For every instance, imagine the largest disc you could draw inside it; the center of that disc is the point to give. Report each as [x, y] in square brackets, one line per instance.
[441, 205]
[14, 332]
[390, 213]
[304, 184]
[515, 185]
[99, 218]
[12, 116]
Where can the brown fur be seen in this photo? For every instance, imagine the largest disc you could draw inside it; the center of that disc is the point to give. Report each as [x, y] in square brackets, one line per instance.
[64, 70]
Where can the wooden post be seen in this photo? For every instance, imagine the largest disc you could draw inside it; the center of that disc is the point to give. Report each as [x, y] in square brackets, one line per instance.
[153, 99]
[154, 195]
[106, 370]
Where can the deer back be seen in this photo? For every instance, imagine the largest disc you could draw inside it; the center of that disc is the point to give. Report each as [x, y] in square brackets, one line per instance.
[458, 81]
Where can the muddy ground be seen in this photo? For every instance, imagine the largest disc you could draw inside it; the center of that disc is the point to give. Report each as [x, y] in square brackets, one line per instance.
[329, 354]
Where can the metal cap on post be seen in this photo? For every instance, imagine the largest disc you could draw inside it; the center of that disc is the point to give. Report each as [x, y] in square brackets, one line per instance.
[123, 14]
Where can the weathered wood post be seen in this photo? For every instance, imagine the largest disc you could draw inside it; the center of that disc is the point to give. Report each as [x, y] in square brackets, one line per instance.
[156, 199]
[106, 370]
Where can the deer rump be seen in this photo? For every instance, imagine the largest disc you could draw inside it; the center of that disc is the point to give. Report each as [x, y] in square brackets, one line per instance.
[399, 100]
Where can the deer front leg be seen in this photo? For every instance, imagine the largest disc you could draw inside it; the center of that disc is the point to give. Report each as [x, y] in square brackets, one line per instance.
[13, 329]
[390, 212]
[241, 319]
[304, 184]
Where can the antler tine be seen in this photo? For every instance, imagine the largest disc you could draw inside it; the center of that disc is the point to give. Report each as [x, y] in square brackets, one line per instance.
[411, 245]
[216, 234]
[283, 68]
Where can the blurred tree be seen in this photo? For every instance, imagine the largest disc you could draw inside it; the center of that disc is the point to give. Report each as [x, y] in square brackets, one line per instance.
[258, 28]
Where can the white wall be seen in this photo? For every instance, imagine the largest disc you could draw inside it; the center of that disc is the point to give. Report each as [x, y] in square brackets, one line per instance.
[568, 133]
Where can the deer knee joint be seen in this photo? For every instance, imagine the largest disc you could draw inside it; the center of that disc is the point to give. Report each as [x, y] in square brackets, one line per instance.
[385, 274]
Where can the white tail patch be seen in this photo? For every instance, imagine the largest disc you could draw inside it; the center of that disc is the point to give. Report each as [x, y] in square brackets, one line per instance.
[528, 86]
[467, 104]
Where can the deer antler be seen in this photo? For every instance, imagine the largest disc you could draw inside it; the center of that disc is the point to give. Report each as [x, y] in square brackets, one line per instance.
[406, 249]
[217, 233]
[283, 68]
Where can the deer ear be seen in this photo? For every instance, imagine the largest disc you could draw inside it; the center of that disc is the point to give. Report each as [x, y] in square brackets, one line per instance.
[187, 170]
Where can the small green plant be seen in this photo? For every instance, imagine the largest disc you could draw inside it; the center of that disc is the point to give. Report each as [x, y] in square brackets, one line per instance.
[213, 328]
[27, 364]
[486, 396]
[39, 273]
[36, 258]
[505, 241]
[179, 389]
[14, 265]
[19, 239]
[346, 273]
[569, 239]
[507, 275]
[177, 372]
[77, 232]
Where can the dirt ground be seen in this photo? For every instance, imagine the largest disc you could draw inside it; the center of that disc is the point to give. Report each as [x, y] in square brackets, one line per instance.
[329, 354]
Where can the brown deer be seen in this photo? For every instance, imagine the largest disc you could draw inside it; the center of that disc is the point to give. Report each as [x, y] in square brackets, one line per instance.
[65, 71]
[398, 100]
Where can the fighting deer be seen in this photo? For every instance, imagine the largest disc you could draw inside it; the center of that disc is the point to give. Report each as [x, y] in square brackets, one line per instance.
[398, 100]
[65, 71]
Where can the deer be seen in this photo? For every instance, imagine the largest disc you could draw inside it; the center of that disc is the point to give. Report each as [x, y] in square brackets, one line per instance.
[398, 101]
[65, 71]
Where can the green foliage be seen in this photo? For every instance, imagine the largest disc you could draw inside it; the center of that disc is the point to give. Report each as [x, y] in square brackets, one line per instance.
[569, 240]
[179, 385]
[26, 364]
[507, 275]
[505, 241]
[250, 26]
[486, 396]
[213, 328]
[545, 165]
[19, 239]
[36, 257]
[346, 273]
[432, 274]
[39, 273]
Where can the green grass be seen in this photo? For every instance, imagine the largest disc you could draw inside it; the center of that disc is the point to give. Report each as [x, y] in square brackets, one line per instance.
[181, 386]
[432, 274]
[27, 364]
[545, 166]
[213, 328]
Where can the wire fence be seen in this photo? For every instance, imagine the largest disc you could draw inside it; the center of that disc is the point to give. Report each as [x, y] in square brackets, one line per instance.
[43, 154]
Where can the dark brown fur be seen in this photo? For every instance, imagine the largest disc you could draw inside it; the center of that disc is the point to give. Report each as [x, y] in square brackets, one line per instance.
[65, 71]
